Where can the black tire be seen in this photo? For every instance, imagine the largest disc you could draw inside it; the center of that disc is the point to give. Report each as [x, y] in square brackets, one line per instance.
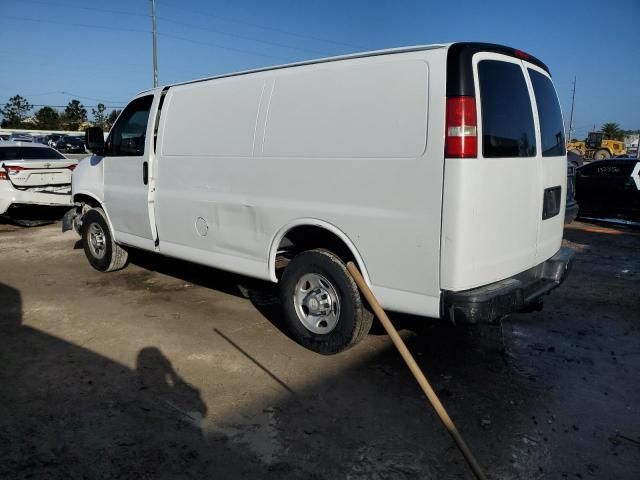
[354, 319]
[105, 255]
[601, 154]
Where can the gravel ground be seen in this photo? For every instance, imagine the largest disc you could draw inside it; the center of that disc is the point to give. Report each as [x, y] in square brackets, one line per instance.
[171, 370]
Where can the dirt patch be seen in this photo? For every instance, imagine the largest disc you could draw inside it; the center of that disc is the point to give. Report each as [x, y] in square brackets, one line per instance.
[171, 370]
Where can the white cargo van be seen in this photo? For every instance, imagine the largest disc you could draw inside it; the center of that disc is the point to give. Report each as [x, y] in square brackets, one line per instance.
[440, 170]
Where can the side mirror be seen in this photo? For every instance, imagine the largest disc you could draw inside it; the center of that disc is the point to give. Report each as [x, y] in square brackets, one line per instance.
[94, 140]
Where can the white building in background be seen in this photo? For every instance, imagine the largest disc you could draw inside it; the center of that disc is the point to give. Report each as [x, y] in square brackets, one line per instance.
[631, 140]
[631, 143]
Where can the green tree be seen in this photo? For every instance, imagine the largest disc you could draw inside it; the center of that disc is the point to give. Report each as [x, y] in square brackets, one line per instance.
[48, 118]
[612, 131]
[112, 118]
[99, 115]
[74, 114]
[15, 111]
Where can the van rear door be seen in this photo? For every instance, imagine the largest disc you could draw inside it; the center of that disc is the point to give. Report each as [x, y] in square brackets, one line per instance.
[552, 157]
[502, 210]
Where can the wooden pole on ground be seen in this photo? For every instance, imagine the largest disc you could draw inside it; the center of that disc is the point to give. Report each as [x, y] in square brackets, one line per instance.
[415, 370]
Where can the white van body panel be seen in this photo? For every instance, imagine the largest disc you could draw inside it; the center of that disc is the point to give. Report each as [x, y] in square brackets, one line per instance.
[346, 142]
[353, 145]
[492, 207]
[88, 178]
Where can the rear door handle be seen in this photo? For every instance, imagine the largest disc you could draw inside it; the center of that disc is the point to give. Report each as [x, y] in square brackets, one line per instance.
[551, 202]
[145, 173]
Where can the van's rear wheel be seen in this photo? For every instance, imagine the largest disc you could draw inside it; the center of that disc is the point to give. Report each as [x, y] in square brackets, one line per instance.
[103, 253]
[322, 306]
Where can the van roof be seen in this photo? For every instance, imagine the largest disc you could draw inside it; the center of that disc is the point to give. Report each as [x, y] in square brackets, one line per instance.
[309, 62]
[462, 52]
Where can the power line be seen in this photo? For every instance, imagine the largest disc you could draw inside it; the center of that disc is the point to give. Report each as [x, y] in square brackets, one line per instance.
[78, 7]
[70, 94]
[84, 106]
[70, 24]
[243, 37]
[168, 20]
[233, 49]
[101, 100]
[84, 25]
[38, 94]
[263, 27]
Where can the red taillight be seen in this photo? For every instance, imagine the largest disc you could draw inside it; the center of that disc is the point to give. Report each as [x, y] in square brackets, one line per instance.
[72, 167]
[521, 54]
[9, 170]
[461, 132]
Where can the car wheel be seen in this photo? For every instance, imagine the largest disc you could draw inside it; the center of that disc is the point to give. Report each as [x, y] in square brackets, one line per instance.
[103, 253]
[323, 309]
[601, 154]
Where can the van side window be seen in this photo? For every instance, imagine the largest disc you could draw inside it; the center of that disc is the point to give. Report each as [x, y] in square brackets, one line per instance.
[127, 136]
[551, 126]
[507, 117]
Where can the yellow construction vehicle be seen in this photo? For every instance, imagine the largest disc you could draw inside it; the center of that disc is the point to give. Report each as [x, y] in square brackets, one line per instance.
[596, 147]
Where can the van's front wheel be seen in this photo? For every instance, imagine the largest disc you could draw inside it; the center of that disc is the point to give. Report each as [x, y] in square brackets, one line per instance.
[103, 253]
[322, 306]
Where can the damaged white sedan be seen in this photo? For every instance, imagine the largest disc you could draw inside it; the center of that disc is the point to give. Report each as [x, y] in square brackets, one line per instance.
[33, 174]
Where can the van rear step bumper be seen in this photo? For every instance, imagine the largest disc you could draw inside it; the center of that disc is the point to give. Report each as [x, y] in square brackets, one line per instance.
[491, 302]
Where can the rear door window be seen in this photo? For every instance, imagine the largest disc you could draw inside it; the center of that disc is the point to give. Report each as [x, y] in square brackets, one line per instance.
[507, 117]
[551, 126]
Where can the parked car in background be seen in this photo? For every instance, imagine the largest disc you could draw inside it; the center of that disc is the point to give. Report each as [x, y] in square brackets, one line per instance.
[609, 188]
[575, 159]
[33, 174]
[69, 144]
[52, 139]
[571, 207]
[21, 137]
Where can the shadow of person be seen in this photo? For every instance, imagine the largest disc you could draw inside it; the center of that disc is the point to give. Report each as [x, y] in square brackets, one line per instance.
[159, 378]
[11, 309]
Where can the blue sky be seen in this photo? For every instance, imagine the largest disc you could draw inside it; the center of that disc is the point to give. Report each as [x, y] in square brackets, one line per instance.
[101, 50]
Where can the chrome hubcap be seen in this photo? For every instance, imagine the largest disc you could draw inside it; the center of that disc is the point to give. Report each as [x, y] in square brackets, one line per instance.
[97, 243]
[317, 303]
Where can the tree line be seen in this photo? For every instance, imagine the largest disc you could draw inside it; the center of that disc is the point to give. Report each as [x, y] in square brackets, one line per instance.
[16, 115]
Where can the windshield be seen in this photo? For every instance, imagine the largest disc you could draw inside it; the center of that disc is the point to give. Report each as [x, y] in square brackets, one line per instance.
[594, 139]
[29, 153]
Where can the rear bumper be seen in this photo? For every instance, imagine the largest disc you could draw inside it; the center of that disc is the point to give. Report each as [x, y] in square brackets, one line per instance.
[11, 196]
[491, 302]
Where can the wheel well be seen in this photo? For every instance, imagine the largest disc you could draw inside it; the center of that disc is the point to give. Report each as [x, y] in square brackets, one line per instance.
[309, 237]
[82, 198]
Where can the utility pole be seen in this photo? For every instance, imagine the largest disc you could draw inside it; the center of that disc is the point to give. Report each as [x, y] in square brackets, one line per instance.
[155, 43]
[573, 97]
